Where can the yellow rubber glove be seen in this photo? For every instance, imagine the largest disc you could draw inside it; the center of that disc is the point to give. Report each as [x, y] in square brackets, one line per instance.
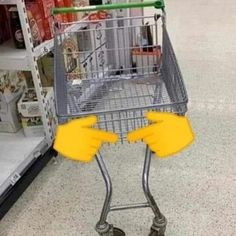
[77, 141]
[169, 134]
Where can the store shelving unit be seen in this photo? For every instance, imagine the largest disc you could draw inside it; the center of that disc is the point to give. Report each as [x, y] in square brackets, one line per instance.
[17, 152]
[21, 158]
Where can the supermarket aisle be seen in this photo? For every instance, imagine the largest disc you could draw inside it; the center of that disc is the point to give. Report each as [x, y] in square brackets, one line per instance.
[197, 189]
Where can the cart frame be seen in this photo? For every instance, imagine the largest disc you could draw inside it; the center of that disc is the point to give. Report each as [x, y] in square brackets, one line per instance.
[177, 104]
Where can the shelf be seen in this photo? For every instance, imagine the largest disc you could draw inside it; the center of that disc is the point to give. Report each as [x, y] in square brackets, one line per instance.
[12, 58]
[44, 48]
[17, 152]
[8, 2]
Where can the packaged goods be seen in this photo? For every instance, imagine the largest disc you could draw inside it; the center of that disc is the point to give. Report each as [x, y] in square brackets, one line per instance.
[71, 16]
[16, 29]
[48, 28]
[12, 85]
[63, 17]
[45, 7]
[28, 107]
[36, 22]
[32, 126]
[4, 25]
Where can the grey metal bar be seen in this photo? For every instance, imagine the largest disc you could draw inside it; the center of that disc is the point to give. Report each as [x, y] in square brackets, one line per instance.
[129, 206]
[107, 179]
[145, 183]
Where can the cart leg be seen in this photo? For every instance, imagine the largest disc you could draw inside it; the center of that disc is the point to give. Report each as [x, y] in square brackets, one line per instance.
[159, 221]
[103, 228]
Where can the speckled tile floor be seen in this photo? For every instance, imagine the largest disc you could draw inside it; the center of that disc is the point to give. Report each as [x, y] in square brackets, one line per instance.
[195, 190]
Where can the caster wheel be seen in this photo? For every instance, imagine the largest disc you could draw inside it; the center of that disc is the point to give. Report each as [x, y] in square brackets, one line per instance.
[155, 233]
[118, 232]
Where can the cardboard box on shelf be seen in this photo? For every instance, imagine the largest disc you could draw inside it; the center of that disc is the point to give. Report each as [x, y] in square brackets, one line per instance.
[29, 110]
[28, 105]
[60, 3]
[32, 126]
[9, 117]
[48, 28]
[12, 85]
[46, 7]
[70, 16]
[35, 18]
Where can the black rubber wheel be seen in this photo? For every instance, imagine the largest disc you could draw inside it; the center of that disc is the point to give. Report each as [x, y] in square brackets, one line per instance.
[118, 232]
[155, 233]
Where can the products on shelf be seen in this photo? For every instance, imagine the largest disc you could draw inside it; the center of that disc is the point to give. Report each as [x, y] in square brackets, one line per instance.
[48, 27]
[12, 85]
[32, 126]
[45, 7]
[63, 17]
[29, 109]
[9, 117]
[16, 29]
[28, 105]
[40, 20]
[36, 22]
[4, 25]
[71, 16]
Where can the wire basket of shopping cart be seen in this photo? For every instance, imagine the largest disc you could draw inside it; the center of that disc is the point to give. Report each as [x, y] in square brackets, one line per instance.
[118, 67]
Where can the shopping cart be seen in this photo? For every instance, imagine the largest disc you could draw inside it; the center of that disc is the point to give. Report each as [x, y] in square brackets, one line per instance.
[118, 67]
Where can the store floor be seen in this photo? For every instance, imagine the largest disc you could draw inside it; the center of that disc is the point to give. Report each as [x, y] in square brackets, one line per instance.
[195, 190]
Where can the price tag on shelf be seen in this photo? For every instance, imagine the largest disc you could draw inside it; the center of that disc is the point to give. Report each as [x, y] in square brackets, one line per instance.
[43, 48]
[15, 178]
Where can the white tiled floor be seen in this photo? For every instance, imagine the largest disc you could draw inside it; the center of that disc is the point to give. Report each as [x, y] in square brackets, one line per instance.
[195, 190]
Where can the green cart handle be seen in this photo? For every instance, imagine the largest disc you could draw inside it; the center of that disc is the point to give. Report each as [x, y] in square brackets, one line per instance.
[159, 4]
